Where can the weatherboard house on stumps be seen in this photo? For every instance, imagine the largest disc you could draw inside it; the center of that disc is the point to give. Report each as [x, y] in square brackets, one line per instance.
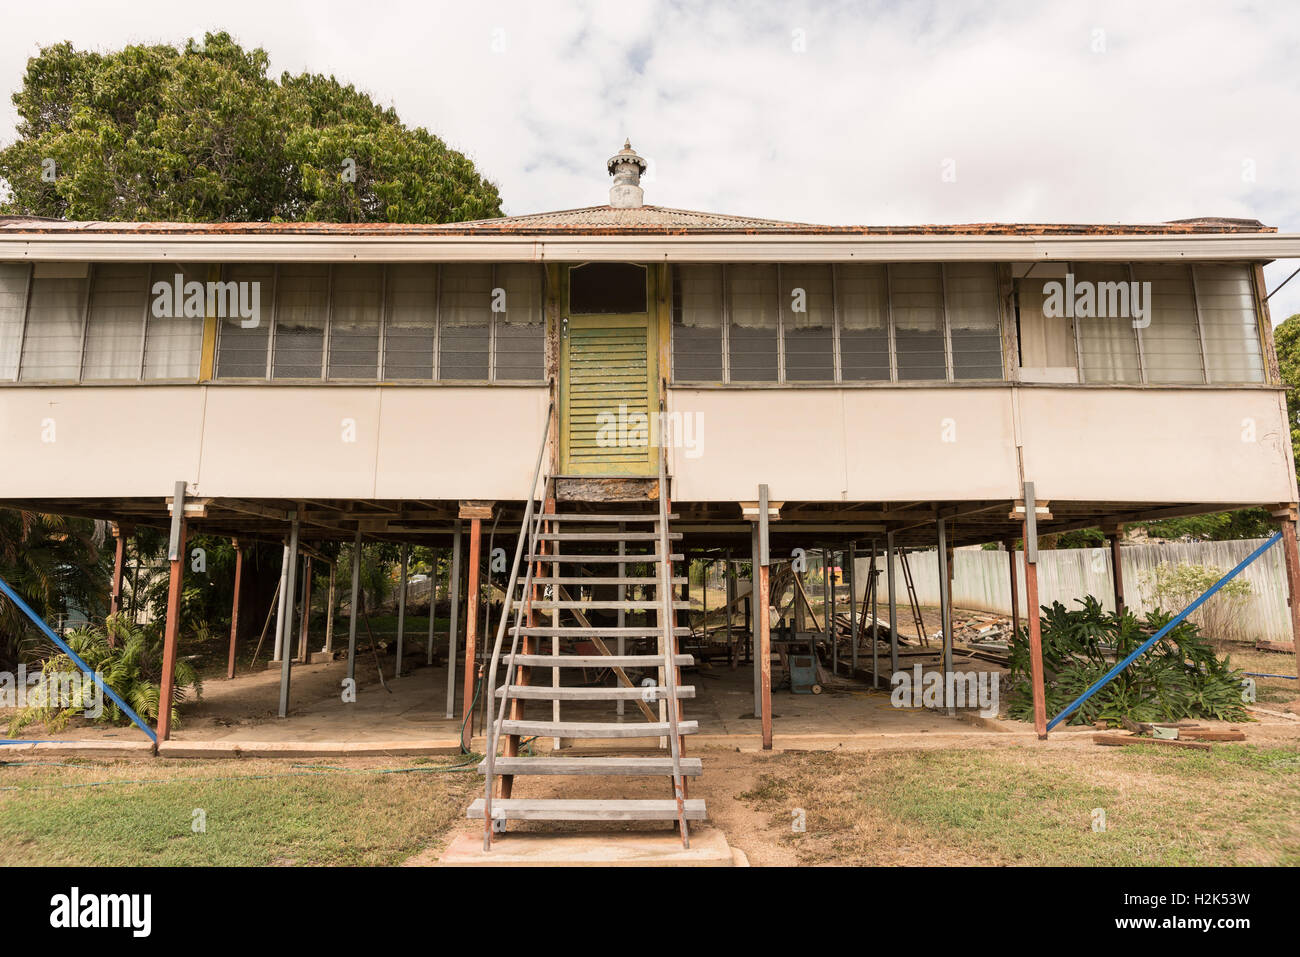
[615, 385]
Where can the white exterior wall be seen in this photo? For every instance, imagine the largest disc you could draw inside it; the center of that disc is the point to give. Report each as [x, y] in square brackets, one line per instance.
[251, 441]
[825, 444]
[960, 443]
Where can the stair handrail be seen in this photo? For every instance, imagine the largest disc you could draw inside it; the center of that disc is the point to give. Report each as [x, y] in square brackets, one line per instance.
[527, 537]
[667, 623]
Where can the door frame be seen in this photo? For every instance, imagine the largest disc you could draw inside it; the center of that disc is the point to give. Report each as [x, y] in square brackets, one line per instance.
[655, 276]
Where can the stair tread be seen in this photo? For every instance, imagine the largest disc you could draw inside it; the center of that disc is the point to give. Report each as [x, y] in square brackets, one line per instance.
[613, 631]
[581, 517]
[627, 604]
[580, 693]
[690, 767]
[598, 661]
[607, 580]
[566, 558]
[588, 809]
[605, 536]
[596, 729]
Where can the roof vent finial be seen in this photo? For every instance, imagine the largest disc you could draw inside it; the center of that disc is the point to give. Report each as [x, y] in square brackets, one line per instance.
[626, 167]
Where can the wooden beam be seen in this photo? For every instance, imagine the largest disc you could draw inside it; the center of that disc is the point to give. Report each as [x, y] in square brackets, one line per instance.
[171, 634]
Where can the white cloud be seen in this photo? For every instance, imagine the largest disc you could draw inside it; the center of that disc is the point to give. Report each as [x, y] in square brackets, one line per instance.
[1041, 126]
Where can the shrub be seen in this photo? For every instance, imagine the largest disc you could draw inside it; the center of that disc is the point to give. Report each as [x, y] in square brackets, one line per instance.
[1177, 586]
[132, 667]
[1180, 677]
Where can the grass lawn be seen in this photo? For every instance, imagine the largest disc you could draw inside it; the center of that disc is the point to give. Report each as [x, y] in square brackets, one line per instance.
[1233, 805]
[258, 812]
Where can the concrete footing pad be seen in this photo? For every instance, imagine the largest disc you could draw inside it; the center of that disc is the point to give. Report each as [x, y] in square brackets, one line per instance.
[708, 848]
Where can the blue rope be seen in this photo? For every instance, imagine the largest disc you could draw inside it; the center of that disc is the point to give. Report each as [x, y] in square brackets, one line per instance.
[1108, 676]
[49, 633]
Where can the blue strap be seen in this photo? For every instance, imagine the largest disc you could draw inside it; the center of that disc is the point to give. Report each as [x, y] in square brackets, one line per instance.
[49, 633]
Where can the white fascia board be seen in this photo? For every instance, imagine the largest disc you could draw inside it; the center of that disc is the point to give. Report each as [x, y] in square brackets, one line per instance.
[128, 247]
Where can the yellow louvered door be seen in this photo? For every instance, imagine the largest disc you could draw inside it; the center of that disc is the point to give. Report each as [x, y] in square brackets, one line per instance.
[608, 394]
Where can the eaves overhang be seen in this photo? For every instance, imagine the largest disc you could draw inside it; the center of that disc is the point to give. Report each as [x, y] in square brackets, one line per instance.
[129, 247]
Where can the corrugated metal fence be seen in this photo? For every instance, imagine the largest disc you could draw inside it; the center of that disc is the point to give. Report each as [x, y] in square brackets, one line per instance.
[981, 579]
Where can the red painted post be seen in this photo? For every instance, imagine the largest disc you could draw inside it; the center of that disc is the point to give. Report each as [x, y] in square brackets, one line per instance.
[234, 607]
[1116, 535]
[1035, 643]
[119, 560]
[471, 624]
[761, 608]
[1292, 561]
[171, 633]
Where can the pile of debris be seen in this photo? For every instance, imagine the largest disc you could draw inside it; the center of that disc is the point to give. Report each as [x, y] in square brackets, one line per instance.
[1179, 734]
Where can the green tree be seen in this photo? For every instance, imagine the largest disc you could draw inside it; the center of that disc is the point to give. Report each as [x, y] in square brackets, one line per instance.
[1286, 340]
[203, 134]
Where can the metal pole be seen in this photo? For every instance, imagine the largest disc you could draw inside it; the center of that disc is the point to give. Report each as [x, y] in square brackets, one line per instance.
[433, 601]
[352, 616]
[279, 608]
[1015, 587]
[828, 609]
[401, 607]
[290, 585]
[945, 610]
[874, 583]
[852, 577]
[329, 612]
[304, 653]
[453, 624]
[1117, 568]
[893, 604]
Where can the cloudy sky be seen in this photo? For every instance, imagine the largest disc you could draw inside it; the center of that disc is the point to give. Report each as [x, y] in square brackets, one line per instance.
[820, 112]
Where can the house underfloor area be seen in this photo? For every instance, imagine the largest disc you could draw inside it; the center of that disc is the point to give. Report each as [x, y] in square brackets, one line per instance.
[406, 715]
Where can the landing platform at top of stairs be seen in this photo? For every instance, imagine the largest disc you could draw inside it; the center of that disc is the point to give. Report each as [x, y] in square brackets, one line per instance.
[708, 848]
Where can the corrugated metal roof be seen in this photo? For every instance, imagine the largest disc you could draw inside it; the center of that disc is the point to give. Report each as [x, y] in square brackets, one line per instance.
[642, 220]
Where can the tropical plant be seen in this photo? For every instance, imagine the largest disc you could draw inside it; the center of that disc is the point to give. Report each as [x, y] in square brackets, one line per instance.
[56, 564]
[128, 658]
[1180, 677]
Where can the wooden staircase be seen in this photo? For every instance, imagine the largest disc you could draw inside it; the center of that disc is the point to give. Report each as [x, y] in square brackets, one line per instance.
[551, 632]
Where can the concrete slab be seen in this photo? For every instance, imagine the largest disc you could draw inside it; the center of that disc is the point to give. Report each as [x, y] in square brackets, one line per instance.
[226, 748]
[90, 748]
[708, 848]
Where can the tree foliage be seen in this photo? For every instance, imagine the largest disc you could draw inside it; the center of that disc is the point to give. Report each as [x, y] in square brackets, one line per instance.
[203, 134]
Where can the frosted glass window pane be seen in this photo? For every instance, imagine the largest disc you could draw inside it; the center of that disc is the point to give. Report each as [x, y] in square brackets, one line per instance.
[810, 333]
[862, 296]
[52, 343]
[173, 344]
[465, 321]
[971, 291]
[752, 307]
[520, 339]
[408, 333]
[242, 353]
[1229, 323]
[13, 306]
[301, 304]
[1171, 346]
[697, 323]
[1107, 346]
[916, 300]
[354, 321]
